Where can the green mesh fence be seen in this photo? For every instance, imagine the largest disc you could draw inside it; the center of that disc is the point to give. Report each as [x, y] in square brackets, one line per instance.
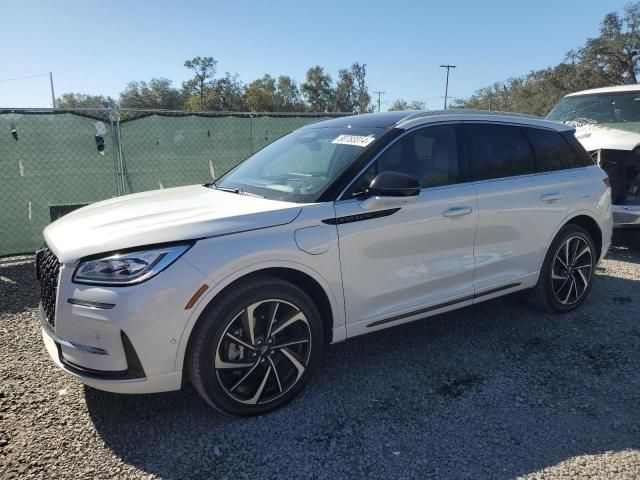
[52, 161]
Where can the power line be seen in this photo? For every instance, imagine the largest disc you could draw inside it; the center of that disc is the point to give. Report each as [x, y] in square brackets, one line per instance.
[379, 93]
[24, 77]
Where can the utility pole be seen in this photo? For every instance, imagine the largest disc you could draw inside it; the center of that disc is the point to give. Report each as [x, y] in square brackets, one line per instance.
[379, 93]
[446, 87]
[53, 95]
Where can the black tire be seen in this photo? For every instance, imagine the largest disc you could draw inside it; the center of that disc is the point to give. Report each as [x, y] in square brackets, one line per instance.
[546, 294]
[224, 337]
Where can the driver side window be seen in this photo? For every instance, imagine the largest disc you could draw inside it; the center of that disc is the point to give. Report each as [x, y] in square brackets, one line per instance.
[429, 154]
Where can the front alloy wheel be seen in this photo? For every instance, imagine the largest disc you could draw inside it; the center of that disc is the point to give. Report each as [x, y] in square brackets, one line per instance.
[264, 352]
[255, 346]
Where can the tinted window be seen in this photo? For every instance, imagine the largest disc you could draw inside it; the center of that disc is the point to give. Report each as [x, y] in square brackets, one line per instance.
[429, 154]
[552, 150]
[499, 151]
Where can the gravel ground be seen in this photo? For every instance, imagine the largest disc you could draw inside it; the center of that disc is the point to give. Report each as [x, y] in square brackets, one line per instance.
[495, 391]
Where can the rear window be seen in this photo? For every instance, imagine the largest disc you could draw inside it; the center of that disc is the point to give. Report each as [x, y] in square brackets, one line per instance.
[499, 151]
[553, 151]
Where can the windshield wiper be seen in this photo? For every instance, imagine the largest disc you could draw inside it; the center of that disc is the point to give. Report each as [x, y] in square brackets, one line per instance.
[235, 190]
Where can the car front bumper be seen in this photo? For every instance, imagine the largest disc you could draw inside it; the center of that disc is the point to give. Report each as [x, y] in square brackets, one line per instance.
[122, 339]
[133, 380]
[626, 215]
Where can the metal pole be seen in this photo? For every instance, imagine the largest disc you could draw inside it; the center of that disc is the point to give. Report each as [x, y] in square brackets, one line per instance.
[53, 95]
[379, 93]
[446, 88]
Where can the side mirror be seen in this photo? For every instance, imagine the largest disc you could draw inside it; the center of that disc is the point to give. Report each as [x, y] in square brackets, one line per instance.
[394, 184]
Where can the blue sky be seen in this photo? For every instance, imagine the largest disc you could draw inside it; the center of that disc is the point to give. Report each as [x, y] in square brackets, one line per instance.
[96, 46]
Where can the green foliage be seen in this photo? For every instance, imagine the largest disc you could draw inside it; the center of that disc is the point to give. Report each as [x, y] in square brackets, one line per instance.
[613, 55]
[351, 93]
[260, 95]
[400, 105]
[204, 71]
[159, 93]
[82, 100]
[288, 97]
[204, 91]
[318, 90]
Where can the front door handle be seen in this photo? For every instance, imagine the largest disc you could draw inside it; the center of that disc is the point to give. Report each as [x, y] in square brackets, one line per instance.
[457, 211]
[551, 197]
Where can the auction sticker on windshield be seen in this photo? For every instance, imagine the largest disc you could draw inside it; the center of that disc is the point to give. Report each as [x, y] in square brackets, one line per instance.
[357, 140]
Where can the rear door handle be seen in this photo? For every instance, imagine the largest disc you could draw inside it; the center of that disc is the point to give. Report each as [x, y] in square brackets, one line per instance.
[457, 211]
[551, 197]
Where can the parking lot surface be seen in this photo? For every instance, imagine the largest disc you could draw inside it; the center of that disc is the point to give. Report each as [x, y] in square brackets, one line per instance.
[498, 390]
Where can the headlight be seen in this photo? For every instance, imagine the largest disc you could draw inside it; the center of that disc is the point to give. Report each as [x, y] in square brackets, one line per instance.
[128, 268]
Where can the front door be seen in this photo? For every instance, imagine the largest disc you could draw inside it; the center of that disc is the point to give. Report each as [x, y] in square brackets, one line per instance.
[403, 261]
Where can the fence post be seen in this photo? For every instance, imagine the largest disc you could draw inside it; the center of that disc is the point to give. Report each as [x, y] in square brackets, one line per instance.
[114, 117]
[114, 138]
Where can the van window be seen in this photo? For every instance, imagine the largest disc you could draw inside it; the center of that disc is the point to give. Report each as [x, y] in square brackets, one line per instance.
[552, 151]
[499, 151]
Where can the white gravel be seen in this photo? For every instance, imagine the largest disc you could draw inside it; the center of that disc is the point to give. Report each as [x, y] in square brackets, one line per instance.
[498, 390]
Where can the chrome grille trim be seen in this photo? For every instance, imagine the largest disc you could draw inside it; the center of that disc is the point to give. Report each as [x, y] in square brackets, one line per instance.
[47, 271]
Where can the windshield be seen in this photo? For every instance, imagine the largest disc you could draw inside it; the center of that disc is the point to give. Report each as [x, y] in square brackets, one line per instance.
[300, 166]
[601, 108]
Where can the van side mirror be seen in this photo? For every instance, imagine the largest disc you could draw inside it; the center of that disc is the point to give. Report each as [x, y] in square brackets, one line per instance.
[394, 184]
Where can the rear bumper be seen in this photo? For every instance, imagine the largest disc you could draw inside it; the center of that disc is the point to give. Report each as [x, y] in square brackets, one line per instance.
[624, 215]
[131, 380]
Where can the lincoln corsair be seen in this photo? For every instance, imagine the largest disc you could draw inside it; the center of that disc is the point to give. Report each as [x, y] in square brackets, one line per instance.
[341, 228]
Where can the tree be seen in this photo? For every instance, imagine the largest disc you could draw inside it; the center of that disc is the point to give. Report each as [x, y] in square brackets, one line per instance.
[344, 97]
[260, 95]
[288, 97]
[351, 91]
[614, 53]
[204, 71]
[83, 100]
[159, 93]
[361, 92]
[317, 89]
[399, 105]
[227, 94]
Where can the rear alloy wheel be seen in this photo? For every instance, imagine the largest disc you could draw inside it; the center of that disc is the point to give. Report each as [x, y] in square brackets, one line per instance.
[255, 347]
[571, 270]
[567, 272]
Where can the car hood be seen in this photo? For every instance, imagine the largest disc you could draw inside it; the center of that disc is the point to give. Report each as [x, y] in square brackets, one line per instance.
[160, 216]
[613, 136]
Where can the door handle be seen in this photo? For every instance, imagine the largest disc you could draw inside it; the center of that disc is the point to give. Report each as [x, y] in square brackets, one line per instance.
[457, 211]
[551, 197]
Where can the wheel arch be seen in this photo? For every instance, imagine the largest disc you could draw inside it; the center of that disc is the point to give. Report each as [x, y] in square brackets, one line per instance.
[591, 226]
[582, 219]
[311, 284]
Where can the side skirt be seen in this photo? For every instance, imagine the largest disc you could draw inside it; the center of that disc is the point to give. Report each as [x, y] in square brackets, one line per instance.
[442, 305]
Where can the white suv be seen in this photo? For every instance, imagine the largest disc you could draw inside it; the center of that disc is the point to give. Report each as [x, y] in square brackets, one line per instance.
[607, 123]
[340, 228]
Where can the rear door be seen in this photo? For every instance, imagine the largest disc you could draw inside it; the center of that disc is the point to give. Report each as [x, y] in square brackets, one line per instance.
[519, 207]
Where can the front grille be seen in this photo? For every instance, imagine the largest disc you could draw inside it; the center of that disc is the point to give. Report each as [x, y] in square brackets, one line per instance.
[47, 269]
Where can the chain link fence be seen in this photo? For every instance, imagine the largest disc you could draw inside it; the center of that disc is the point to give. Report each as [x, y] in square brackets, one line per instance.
[55, 160]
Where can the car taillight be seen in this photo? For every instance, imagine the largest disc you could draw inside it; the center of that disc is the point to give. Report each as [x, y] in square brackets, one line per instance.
[607, 182]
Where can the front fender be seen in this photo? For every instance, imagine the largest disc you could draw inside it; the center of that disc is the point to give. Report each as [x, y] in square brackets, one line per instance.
[224, 260]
